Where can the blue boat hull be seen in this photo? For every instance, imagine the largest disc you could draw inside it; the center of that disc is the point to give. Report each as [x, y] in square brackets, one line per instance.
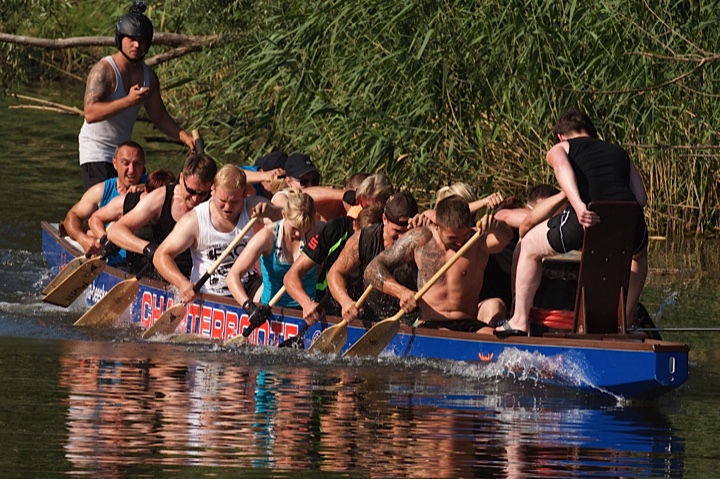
[624, 367]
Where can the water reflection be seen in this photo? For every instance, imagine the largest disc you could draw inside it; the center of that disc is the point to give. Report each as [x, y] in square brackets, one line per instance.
[171, 406]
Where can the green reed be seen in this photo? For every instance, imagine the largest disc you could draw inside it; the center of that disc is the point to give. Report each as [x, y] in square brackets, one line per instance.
[434, 92]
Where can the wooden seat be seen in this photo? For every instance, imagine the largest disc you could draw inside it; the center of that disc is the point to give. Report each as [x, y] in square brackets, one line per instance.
[605, 269]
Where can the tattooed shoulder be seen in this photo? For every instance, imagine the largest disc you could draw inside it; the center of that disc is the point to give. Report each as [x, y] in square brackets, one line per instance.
[100, 82]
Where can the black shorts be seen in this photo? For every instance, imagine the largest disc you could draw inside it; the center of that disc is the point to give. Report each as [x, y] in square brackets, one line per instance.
[466, 325]
[566, 233]
[96, 172]
[252, 283]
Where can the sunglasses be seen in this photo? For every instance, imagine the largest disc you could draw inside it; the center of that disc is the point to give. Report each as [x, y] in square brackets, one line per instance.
[308, 181]
[191, 192]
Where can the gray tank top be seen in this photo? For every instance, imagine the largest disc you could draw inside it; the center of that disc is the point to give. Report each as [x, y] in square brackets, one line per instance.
[99, 140]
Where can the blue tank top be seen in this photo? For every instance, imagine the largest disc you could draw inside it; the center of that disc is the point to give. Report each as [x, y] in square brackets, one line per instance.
[275, 265]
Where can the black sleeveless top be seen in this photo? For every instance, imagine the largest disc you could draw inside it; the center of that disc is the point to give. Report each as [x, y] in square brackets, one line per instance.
[379, 306]
[164, 225]
[135, 261]
[602, 170]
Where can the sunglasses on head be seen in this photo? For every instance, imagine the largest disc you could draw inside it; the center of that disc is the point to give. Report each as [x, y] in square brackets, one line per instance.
[191, 192]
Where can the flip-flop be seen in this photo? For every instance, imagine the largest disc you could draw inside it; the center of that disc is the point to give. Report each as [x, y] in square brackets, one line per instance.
[507, 330]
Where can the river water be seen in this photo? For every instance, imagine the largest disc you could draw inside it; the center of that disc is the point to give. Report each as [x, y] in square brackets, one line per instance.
[107, 405]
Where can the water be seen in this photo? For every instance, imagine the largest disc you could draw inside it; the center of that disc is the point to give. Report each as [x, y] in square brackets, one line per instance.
[107, 405]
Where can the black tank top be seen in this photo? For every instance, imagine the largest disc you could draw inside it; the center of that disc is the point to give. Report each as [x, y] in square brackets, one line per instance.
[378, 305]
[135, 261]
[165, 225]
[602, 170]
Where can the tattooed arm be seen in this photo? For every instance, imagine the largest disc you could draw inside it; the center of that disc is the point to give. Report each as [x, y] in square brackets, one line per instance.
[379, 271]
[346, 263]
[101, 83]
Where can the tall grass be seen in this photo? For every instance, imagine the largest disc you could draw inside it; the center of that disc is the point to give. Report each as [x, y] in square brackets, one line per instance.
[432, 92]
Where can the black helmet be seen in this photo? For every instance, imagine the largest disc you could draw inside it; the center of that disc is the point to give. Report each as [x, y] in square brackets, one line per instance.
[134, 24]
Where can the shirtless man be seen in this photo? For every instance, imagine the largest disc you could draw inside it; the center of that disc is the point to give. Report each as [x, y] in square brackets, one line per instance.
[207, 231]
[129, 161]
[164, 207]
[452, 303]
[117, 87]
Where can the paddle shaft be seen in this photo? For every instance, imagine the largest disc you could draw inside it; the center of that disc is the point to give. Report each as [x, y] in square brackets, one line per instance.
[203, 279]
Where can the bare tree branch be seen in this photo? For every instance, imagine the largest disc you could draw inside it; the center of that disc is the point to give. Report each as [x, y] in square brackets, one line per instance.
[165, 39]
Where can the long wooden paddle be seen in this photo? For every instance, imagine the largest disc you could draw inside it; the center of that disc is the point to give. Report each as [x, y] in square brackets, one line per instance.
[379, 336]
[333, 339]
[75, 282]
[172, 317]
[241, 339]
[65, 272]
[107, 311]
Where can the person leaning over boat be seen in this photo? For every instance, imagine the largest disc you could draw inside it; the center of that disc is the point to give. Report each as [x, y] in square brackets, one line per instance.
[362, 247]
[162, 208]
[452, 303]
[276, 246]
[129, 162]
[301, 173]
[121, 205]
[207, 231]
[117, 87]
[587, 169]
[324, 248]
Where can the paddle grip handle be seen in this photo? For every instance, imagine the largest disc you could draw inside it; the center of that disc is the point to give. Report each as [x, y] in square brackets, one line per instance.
[199, 142]
[272, 303]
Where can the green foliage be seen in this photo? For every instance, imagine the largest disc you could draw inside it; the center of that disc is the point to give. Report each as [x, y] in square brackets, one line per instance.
[434, 92]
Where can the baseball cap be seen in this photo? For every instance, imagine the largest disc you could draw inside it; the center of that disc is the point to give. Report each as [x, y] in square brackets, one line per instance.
[299, 165]
[273, 160]
[400, 208]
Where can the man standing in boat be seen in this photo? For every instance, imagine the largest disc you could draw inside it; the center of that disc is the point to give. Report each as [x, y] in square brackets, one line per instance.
[207, 231]
[453, 302]
[587, 169]
[129, 162]
[163, 208]
[117, 87]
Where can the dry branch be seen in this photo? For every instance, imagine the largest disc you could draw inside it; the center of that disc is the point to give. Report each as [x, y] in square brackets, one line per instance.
[165, 39]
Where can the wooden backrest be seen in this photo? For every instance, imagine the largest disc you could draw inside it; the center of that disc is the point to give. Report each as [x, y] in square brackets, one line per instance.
[605, 269]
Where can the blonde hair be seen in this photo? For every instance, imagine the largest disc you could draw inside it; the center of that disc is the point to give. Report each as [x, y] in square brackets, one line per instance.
[375, 186]
[230, 177]
[300, 209]
[460, 189]
[278, 183]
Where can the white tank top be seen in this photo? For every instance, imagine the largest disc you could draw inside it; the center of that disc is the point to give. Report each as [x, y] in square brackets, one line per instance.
[211, 244]
[99, 140]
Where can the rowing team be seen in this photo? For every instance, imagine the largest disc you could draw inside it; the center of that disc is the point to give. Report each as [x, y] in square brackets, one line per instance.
[323, 245]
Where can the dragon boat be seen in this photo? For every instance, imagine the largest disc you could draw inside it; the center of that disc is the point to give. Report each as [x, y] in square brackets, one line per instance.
[589, 358]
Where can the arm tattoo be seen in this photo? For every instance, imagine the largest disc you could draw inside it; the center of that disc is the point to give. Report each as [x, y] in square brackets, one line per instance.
[349, 259]
[99, 83]
[402, 252]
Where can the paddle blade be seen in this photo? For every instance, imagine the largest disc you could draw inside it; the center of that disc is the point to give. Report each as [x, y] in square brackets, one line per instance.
[331, 340]
[65, 272]
[237, 341]
[168, 322]
[75, 283]
[376, 339]
[108, 310]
